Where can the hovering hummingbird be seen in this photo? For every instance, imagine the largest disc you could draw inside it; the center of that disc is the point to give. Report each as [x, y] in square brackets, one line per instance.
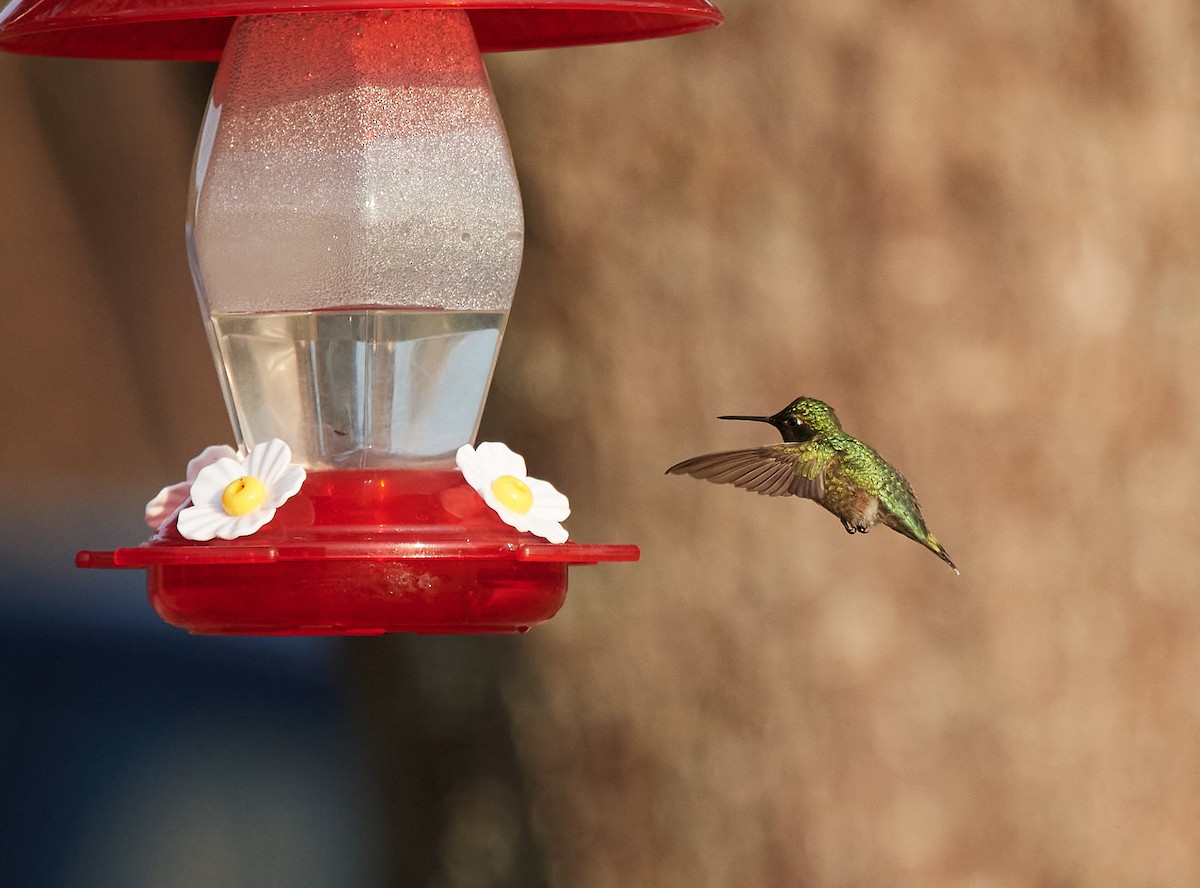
[819, 461]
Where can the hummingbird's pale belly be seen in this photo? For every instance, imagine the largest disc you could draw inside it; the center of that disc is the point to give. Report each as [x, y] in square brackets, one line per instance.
[850, 502]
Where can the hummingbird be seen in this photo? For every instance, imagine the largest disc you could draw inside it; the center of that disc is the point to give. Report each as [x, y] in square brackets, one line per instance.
[819, 461]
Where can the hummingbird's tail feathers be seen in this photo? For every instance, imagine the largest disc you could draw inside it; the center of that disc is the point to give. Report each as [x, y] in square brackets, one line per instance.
[931, 543]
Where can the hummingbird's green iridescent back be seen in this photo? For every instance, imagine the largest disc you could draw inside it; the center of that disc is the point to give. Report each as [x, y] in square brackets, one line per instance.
[820, 461]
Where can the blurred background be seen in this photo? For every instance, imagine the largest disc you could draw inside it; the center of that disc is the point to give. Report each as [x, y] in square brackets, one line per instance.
[972, 228]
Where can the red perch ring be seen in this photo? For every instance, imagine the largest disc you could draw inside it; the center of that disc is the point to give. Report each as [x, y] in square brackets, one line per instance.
[362, 553]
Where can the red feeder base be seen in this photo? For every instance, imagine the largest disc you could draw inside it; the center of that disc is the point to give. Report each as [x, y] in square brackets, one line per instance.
[362, 553]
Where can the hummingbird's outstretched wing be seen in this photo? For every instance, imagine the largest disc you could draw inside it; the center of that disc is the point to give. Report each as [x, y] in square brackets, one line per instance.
[786, 469]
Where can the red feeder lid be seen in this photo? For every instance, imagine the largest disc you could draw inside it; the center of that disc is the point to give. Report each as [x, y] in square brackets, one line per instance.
[196, 30]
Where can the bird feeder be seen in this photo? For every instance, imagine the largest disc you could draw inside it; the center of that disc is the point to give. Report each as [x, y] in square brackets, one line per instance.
[355, 233]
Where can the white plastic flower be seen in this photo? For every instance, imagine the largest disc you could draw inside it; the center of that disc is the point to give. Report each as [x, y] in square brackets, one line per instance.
[233, 498]
[171, 497]
[528, 504]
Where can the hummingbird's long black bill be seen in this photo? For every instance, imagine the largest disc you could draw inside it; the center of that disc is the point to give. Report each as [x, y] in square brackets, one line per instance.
[748, 418]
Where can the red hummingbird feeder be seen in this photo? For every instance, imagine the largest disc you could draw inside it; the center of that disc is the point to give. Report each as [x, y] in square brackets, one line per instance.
[355, 235]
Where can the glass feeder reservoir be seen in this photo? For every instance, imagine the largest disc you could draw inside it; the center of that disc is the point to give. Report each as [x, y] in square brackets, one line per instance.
[355, 237]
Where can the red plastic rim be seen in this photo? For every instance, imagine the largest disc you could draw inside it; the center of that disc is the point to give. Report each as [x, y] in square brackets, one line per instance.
[196, 30]
[362, 552]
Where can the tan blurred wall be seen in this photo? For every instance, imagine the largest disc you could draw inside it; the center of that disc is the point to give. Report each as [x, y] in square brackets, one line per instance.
[973, 228]
[104, 367]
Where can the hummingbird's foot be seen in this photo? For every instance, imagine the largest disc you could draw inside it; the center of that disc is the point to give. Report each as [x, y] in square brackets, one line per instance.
[861, 528]
[850, 529]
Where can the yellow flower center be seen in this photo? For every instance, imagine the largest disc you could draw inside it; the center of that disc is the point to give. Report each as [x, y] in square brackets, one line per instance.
[513, 493]
[243, 495]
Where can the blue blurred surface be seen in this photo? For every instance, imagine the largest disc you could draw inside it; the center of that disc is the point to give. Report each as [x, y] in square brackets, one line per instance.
[134, 754]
